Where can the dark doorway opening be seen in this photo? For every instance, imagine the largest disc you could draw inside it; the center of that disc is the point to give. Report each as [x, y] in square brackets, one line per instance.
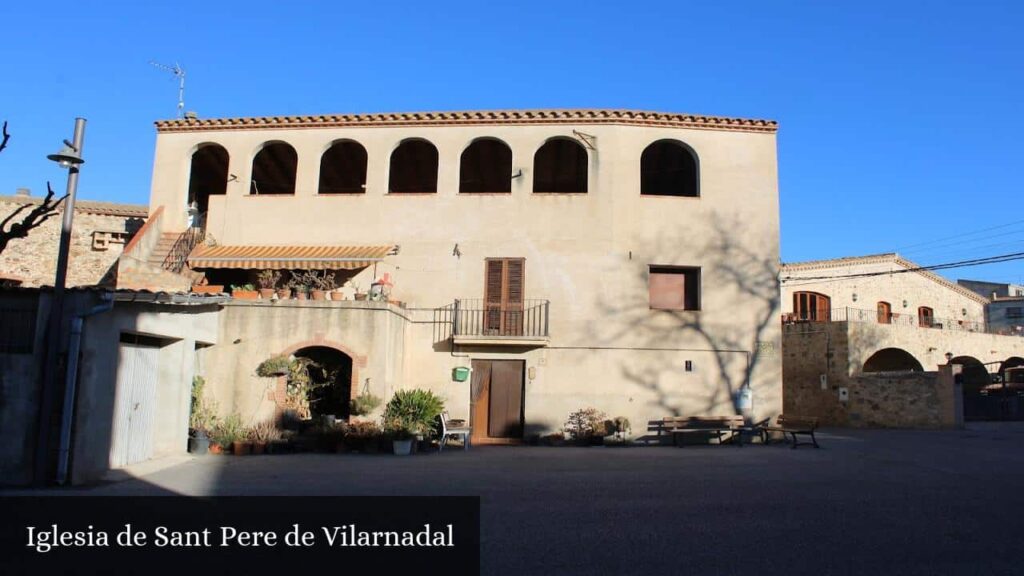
[208, 176]
[330, 374]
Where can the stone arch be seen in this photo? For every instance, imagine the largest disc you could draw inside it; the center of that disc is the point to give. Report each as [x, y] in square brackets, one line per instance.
[974, 376]
[358, 361]
[892, 360]
[1016, 376]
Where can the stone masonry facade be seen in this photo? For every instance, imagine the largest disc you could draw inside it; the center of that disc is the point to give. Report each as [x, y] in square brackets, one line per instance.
[99, 234]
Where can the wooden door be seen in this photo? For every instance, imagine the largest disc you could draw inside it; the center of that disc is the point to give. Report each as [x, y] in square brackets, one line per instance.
[496, 400]
[504, 281]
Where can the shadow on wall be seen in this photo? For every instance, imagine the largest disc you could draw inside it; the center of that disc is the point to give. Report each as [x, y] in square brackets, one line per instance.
[731, 275]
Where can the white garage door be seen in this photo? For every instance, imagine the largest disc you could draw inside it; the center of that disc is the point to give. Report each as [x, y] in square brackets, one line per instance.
[134, 406]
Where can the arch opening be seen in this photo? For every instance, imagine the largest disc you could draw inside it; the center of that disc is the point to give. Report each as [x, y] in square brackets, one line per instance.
[273, 170]
[208, 175]
[343, 169]
[892, 360]
[669, 168]
[486, 166]
[329, 373]
[413, 167]
[560, 165]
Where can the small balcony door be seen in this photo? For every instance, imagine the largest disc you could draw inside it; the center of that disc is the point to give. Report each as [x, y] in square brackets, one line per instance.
[812, 307]
[504, 280]
[884, 313]
[925, 317]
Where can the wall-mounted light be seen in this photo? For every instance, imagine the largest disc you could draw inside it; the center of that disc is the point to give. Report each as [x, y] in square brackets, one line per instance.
[904, 303]
[963, 311]
[949, 357]
[854, 296]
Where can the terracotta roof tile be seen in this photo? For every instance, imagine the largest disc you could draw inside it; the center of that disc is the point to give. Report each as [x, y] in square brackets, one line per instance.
[89, 206]
[474, 117]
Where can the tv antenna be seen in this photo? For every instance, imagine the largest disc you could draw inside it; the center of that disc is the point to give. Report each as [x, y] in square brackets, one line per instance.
[178, 73]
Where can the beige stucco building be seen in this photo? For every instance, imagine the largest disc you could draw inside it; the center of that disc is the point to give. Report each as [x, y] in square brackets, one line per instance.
[615, 259]
[848, 320]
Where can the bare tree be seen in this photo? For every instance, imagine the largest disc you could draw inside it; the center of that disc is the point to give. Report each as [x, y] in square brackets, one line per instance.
[32, 215]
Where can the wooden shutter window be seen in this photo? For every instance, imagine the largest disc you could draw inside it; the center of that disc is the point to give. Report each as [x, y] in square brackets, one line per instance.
[504, 289]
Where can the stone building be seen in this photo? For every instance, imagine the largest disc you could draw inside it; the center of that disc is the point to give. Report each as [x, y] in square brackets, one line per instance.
[1005, 310]
[99, 235]
[850, 321]
[613, 259]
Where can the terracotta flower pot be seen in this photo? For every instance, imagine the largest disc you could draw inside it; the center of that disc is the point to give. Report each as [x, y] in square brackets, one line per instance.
[245, 294]
[284, 293]
[300, 295]
[319, 295]
[216, 448]
[266, 293]
[360, 296]
[241, 448]
[208, 289]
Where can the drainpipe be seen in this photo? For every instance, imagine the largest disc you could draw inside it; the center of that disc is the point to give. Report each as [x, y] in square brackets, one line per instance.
[70, 383]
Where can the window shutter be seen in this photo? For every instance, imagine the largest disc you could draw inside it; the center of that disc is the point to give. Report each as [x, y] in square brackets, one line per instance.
[667, 291]
[494, 272]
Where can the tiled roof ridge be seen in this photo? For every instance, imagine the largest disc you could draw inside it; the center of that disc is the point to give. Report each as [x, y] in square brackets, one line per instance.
[476, 117]
[892, 257]
[89, 206]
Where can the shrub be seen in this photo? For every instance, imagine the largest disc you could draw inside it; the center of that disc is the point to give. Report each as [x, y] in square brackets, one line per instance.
[203, 417]
[229, 431]
[364, 404]
[415, 410]
[263, 432]
[585, 423]
[273, 366]
[268, 279]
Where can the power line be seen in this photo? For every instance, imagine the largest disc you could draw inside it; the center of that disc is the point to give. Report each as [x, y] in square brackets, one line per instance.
[945, 266]
[904, 248]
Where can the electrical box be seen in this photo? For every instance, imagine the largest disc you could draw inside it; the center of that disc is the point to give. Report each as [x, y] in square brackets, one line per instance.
[844, 395]
[824, 381]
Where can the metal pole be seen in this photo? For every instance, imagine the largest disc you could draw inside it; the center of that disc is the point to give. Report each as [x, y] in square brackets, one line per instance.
[52, 354]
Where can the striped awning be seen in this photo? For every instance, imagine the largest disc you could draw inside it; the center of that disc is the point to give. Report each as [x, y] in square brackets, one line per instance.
[287, 257]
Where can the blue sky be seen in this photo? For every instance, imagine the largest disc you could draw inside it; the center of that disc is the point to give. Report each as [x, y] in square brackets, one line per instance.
[901, 122]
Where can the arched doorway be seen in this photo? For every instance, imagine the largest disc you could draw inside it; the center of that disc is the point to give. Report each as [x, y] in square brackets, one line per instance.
[208, 175]
[330, 374]
[1002, 395]
[892, 360]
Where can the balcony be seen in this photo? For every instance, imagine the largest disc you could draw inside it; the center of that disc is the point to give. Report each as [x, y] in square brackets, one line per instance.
[475, 322]
[893, 319]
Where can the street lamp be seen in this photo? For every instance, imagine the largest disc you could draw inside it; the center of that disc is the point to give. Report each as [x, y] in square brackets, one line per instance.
[70, 157]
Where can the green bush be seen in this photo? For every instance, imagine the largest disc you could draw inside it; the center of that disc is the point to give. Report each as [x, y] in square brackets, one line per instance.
[415, 410]
[364, 404]
[273, 366]
[229, 431]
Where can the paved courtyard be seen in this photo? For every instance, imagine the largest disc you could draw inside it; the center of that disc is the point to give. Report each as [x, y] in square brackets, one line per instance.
[868, 502]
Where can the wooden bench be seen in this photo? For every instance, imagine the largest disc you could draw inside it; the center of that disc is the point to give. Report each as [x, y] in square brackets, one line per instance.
[723, 427]
[792, 425]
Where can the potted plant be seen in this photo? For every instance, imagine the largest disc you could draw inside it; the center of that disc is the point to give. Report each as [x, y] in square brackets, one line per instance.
[230, 434]
[260, 434]
[401, 434]
[202, 418]
[322, 282]
[274, 366]
[267, 280]
[362, 436]
[299, 282]
[364, 404]
[207, 288]
[414, 411]
[244, 292]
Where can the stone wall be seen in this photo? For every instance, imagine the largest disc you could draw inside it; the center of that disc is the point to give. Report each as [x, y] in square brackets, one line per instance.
[98, 238]
[818, 380]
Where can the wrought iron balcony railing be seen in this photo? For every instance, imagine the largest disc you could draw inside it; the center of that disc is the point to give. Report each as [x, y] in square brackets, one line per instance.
[474, 317]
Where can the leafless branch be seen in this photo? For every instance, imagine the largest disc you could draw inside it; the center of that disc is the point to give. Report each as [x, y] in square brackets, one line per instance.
[6, 137]
[33, 219]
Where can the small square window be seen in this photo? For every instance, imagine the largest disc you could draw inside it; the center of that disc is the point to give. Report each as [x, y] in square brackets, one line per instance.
[674, 288]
